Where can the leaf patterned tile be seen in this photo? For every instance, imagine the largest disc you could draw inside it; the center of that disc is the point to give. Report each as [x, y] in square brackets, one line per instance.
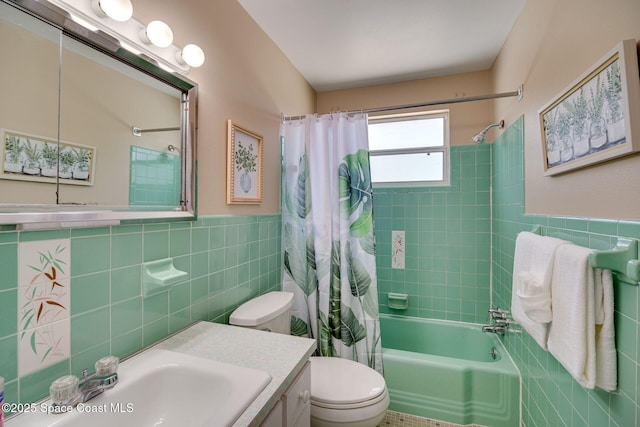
[43, 346]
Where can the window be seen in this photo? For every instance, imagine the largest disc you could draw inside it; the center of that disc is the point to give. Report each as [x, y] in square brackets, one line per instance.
[409, 149]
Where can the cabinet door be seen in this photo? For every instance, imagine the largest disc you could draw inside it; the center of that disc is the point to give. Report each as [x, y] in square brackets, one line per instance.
[297, 400]
[274, 419]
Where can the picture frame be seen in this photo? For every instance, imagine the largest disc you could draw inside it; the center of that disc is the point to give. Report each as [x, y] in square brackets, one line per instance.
[244, 165]
[590, 121]
[27, 157]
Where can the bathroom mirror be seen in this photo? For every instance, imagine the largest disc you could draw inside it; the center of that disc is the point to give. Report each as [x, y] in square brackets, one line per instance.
[71, 100]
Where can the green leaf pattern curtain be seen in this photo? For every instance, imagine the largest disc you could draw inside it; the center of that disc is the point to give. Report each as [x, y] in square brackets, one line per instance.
[328, 237]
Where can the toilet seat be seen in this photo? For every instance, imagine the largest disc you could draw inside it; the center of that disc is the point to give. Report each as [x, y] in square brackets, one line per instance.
[345, 384]
[342, 406]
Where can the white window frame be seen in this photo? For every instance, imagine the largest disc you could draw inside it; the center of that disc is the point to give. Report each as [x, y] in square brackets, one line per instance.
[444, 149]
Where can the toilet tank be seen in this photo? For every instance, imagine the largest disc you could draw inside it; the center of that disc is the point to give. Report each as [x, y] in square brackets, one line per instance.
[268, 312]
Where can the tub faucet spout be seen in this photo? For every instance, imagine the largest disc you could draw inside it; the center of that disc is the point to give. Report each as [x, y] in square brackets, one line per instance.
[494, 329]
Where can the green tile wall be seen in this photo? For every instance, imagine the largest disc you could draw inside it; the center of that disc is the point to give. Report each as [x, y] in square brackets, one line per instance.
[230, 259]
[550, 395]
[447, 232]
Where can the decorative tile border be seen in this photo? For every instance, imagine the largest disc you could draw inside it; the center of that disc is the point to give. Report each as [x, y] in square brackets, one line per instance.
[44, 301]
[397, 249]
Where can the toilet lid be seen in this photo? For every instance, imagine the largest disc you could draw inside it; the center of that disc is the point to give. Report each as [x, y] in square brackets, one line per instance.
[342, 381]
[261, 309]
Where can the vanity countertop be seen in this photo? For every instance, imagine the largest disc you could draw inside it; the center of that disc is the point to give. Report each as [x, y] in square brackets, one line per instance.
[282, 356]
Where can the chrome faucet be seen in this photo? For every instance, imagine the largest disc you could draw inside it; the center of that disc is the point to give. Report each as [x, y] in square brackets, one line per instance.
[495, 329]
[68, 391]
[500, 321]
[93, 385]
[497, 313]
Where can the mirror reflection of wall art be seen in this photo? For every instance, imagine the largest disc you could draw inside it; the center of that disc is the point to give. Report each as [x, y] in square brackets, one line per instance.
[244, 165]
[36, 158]
[590, 121]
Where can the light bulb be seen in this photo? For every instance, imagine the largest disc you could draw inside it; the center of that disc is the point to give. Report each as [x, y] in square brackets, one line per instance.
[191, 55]
[118, 10]
[157, 33]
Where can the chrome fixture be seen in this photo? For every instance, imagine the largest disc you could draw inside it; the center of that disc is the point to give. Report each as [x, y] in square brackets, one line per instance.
[499, 321]
[136, 131]
[154, 40]
[68, 391]
[479, 138]
[495, 329]
[172, 148]
[494, 353]
[497, 313]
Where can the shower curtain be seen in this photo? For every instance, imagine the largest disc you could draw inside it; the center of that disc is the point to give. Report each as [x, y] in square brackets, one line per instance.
[327, 235]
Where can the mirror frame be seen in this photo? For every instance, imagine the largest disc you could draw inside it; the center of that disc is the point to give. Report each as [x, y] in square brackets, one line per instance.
[34, 216]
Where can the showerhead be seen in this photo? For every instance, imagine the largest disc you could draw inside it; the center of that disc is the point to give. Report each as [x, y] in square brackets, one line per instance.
[480, 136]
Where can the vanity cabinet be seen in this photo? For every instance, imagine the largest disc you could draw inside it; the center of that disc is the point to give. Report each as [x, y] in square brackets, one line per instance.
[294, 409]
[275, 417]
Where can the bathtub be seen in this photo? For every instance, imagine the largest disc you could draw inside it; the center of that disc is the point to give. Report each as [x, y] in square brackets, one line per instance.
[445, 370]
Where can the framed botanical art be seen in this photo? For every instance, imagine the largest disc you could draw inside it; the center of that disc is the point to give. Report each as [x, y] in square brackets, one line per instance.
[591, 120]
[27, 157]
[244, 165]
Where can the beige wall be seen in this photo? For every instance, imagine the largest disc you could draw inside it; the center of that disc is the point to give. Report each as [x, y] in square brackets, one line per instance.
[245, 78]
[466, 119]
[552, 43]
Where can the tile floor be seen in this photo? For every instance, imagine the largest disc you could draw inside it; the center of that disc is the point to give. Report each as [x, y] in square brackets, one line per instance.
[397, 419]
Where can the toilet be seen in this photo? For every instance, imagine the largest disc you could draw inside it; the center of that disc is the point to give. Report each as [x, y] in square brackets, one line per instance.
[343, 392]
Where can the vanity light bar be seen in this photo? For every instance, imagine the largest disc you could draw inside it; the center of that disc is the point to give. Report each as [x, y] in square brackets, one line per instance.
[119, 10]
[153, 40]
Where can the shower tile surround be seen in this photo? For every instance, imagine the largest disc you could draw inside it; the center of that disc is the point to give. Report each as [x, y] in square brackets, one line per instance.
[450, 233]
[447, 241]
[230, 259]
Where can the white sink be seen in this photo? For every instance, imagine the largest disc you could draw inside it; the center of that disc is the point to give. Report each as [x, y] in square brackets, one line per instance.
[163, 388]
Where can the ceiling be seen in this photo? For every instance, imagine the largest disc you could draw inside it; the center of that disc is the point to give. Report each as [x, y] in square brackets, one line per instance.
[339, 44]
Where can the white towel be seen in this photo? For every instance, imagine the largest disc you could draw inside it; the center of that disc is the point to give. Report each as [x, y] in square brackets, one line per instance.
[598, 294]
[572, 331]
[535, 298]
[531, 286]
[606, 358]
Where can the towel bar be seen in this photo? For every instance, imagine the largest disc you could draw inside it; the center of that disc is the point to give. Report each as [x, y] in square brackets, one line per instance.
[621, 259]
[537, 229]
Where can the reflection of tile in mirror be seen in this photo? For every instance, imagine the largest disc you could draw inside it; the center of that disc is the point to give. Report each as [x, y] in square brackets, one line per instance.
[154, 178]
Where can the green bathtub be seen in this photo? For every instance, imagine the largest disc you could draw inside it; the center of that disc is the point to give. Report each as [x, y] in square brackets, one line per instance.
[445, 370]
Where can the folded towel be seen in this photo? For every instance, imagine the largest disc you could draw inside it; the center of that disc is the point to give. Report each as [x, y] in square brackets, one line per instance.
[535, 299]
[572, 332]
[606, 358]
[531, 293]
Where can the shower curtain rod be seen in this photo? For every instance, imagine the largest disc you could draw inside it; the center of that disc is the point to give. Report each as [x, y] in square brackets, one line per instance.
[138, 132]
[518, 93]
